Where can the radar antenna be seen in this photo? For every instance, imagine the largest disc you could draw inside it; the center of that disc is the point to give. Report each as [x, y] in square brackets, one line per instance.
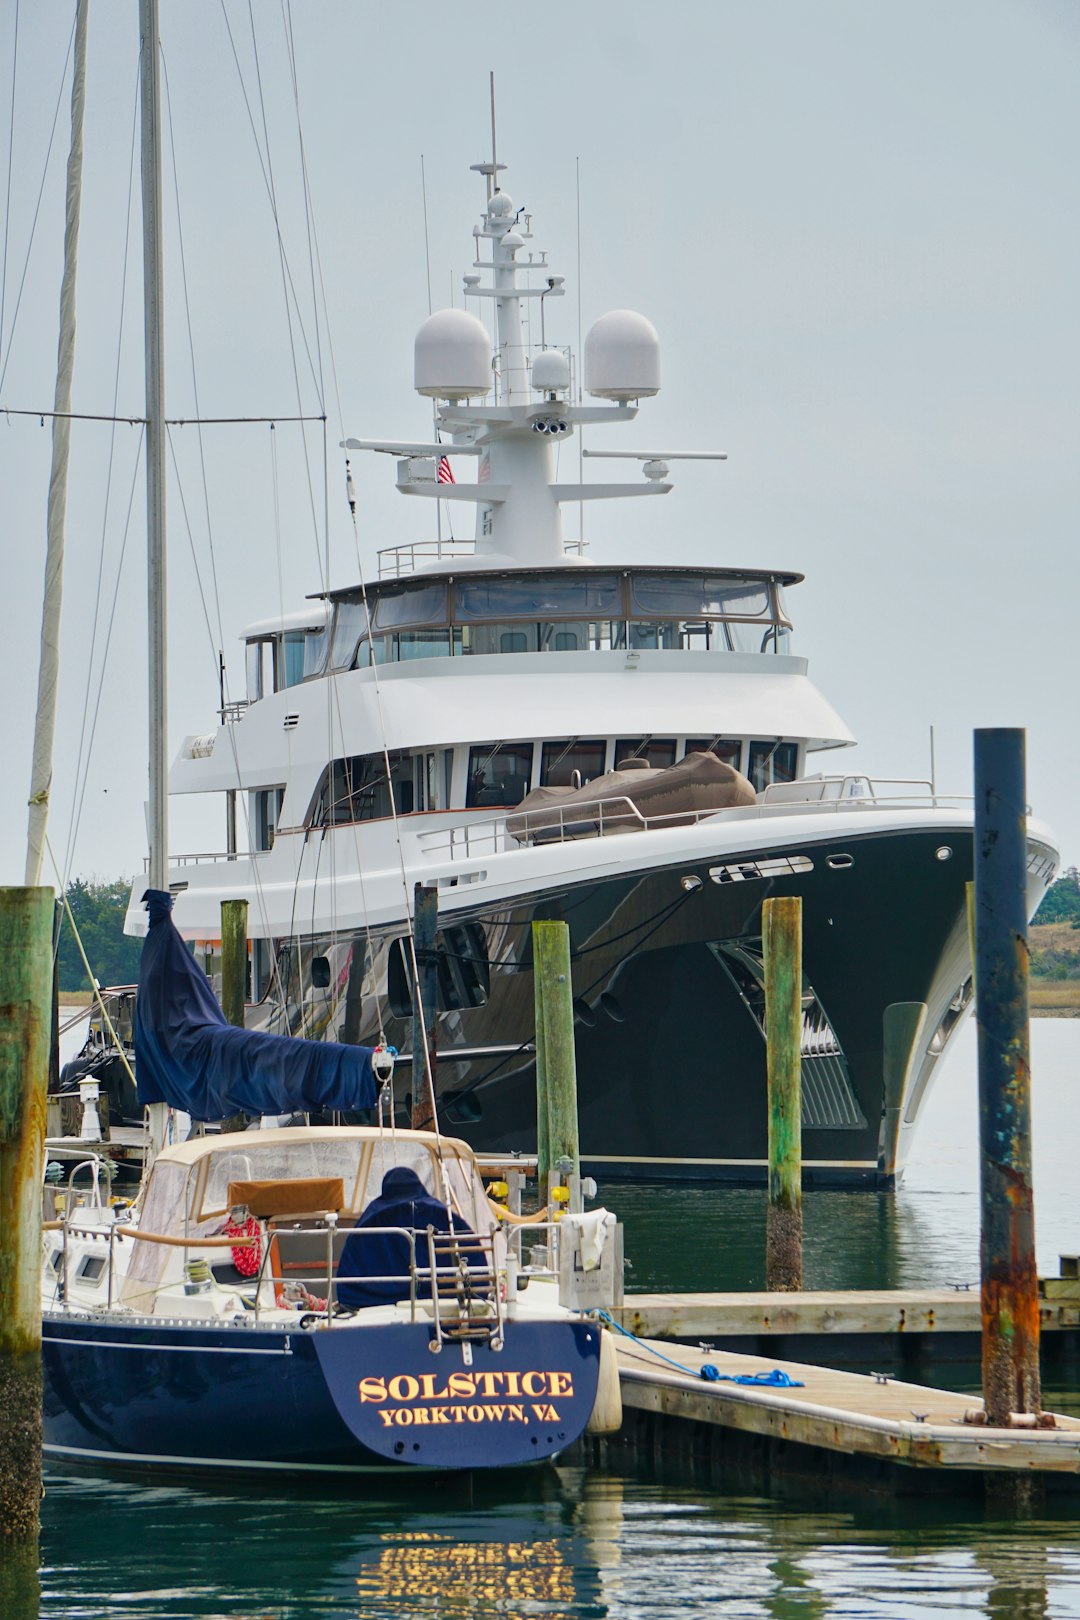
[490, 170]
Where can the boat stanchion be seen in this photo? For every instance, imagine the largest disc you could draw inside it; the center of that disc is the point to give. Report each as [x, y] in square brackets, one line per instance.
[1010, 1289]
[781, 927]
[425, 928]
[26, 931]
[556, 1069]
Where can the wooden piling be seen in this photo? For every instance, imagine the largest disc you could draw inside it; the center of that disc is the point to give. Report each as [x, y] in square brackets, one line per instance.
[781, 926]
[234, 960]
[425, 928]
[26, 924]
[556, 1067]
[1010, 1290]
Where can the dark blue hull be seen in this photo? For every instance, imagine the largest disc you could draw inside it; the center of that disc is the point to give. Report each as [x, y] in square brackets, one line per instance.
[172, 1395]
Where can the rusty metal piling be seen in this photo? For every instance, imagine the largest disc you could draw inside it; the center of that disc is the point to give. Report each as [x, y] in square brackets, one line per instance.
[1010, 1294]
[425, 928]
[26, 928]
[781, 927]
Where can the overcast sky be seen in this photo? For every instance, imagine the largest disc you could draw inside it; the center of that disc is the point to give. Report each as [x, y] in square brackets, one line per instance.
[855, 226]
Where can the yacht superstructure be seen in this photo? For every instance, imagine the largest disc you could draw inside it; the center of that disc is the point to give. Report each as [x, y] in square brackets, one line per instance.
[391, 731]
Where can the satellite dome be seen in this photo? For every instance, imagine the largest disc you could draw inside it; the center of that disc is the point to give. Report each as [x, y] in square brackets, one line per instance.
[550, 371]
[622, 357]
[452, 356]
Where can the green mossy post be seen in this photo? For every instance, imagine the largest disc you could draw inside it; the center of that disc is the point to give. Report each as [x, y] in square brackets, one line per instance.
[556, 1068]
[26, 929]
[234, 960]
[781, 925]
[425, 929]
[234, 966]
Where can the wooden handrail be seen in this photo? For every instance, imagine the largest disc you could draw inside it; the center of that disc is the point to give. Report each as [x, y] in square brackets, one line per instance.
[153, 1237]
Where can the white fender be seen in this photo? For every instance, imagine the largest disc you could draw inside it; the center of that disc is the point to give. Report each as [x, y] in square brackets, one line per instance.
[607, 1408]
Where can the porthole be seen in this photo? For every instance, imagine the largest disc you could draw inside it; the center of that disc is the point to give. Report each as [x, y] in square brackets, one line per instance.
[839, 863]
[943, 853]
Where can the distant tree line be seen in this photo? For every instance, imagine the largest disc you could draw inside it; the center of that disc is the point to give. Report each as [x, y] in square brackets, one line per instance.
[1061, 902]
[98, 910]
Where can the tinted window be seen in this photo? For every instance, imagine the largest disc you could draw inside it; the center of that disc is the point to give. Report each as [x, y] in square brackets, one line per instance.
[772, 762]
[499, 773]
[581, 595]
[561, 759]
[659, 752]
[659, 595]
[726, 748]
[418, 604]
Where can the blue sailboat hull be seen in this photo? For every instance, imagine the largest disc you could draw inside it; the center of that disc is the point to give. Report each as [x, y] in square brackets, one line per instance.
[349, 1398]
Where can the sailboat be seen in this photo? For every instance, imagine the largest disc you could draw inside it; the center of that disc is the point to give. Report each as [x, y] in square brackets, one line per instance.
[326, 1299]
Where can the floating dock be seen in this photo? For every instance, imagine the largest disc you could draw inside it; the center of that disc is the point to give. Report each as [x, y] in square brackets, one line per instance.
[908, 1330]
[876, 1422]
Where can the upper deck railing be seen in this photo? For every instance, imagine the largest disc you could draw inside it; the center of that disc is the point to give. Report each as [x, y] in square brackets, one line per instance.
[599, 818]
[398, 562]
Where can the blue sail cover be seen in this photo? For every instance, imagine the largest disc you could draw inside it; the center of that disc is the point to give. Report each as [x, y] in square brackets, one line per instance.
[188, 1056]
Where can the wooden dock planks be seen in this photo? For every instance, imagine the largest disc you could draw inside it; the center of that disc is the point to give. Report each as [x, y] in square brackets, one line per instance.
[841, 1412]
[859, 1311]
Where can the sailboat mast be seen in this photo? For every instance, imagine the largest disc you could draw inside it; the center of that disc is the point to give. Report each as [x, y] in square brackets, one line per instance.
[49, 661]
[153, 296]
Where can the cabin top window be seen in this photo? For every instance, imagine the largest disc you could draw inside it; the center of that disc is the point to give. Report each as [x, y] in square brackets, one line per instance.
[570, 610]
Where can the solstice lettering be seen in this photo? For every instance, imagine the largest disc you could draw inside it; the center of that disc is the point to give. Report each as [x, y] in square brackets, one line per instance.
[464, 1386]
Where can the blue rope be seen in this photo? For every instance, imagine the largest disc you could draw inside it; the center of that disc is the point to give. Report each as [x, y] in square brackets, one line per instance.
[776, 1379]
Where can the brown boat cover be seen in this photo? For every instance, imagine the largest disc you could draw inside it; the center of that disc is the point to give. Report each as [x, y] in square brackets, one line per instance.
[630, 800]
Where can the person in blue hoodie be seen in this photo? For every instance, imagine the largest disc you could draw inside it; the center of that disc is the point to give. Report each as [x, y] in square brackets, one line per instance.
[369, 1263]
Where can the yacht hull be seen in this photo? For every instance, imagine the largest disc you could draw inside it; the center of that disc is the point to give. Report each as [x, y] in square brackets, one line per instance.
[170, 1395]
[670, 1042]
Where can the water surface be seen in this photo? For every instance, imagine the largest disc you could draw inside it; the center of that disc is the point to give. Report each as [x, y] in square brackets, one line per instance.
[571, 1542]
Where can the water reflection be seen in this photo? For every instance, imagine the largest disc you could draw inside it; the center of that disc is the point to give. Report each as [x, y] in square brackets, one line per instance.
[633, 1542]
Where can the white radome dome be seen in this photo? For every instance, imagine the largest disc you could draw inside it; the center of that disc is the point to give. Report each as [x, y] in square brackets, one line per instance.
[452, 356]
[550, 371]
[622, 357]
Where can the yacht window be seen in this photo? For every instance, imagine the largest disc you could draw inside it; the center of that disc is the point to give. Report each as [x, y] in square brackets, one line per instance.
[416, 604]
[581, 596]
[355, 789]
[260, 669]
[350, 623]
[695, 595]
[90, 1268]
[410, 644]
[497, 638]
[291, 659]
[560, 760]
[772, 762]
[499, 773]
[729, 749]
[658, 752]
[315, 645]
[266, 809]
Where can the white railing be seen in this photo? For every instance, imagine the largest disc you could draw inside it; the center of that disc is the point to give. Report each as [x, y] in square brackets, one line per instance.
[395, 562]
[599, 818]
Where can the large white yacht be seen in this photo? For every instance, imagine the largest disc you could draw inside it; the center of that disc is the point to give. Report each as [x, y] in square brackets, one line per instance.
[392, 730]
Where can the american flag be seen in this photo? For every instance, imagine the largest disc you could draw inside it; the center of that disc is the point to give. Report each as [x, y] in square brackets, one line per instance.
[444, 473]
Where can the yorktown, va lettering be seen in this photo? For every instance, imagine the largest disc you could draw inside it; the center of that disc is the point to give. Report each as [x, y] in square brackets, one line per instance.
[465, 1390]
